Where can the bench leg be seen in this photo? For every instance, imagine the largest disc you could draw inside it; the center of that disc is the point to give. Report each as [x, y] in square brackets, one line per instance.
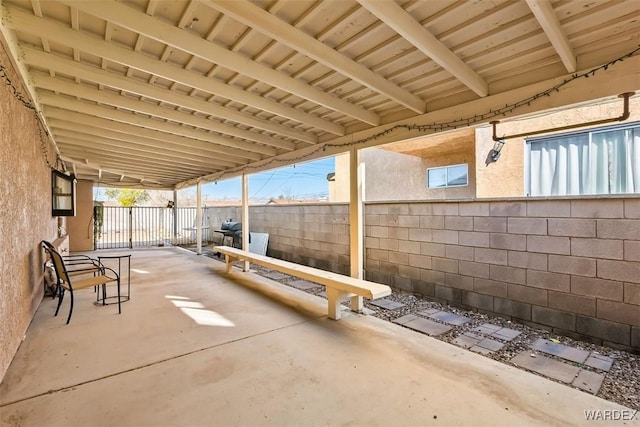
[334, 297]
[357, 304]
[230, 261]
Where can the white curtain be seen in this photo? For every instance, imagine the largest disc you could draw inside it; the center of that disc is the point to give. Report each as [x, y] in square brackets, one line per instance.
[589, 163]
[621, 150]
[558, 166]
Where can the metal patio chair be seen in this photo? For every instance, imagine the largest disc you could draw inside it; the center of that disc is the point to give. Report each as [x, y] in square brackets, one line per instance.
[101, 276]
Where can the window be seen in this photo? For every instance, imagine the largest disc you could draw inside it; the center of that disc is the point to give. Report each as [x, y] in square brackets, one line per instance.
[448, 176]
[598, 161]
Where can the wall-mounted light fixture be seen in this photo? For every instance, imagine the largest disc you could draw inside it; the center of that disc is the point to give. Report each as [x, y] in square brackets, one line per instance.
[495, 151]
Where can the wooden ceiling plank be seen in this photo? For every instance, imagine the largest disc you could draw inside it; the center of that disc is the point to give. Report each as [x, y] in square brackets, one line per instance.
[144, 122]
[126, 145]
[84, 92]
[143, 135]
[155, 29]
[98, 168]
[400, 21]
[260, 20]
[151, 145]
[58, 64]
[89, 148]
[25, 22]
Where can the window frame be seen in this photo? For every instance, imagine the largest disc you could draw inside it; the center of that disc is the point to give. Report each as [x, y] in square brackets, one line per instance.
[551, 137]
[446, 168]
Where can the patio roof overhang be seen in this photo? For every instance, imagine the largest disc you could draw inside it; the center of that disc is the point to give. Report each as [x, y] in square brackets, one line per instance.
[165, 94]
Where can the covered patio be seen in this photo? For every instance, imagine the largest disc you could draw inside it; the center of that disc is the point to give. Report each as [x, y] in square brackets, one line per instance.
[197, 347]
[152, 94]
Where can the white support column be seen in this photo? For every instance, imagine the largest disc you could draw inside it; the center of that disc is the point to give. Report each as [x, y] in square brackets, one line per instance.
[245, 218]
[199, 218]
[175, 215]
[356, 238]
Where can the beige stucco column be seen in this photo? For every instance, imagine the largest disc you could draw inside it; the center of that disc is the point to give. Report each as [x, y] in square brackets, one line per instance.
[80, 227]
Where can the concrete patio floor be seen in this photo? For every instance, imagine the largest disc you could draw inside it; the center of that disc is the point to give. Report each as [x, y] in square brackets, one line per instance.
[196, 347]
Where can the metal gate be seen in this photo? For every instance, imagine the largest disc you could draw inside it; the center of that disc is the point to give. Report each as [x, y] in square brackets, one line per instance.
[120, 227]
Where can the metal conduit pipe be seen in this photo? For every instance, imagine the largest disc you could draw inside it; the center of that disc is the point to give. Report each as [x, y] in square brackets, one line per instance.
[624, 116]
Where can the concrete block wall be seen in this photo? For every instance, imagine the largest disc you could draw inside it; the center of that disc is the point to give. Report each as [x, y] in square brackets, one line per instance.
[311, 234]
[568, 265]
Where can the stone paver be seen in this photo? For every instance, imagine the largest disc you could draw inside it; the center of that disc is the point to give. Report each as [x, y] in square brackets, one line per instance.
[387, 304]
[467, 340]
[450, 318]
[506, 334]
[425, 326]
[563, 351]
[275, 275]
[487, 328]
[490, 344]
[588, 381]
[406, 318]
[481, 350]
[304, 285]
[428, 312]
[546, 366]
[599, 361]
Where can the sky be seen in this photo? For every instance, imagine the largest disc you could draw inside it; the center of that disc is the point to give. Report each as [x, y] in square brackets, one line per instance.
[302, 181]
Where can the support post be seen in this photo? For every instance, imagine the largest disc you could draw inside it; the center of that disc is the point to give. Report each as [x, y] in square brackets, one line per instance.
[245, 219]
[175, 216]
[356, 245]
[199, 218]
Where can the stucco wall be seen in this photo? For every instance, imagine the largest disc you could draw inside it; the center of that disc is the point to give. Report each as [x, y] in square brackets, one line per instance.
[505, 178]
[25, 219]
[80, 227]
[568, 265]
[398, 176]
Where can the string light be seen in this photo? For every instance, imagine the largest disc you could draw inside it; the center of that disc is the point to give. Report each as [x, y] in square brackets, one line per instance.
[433, 127]
[44, 142]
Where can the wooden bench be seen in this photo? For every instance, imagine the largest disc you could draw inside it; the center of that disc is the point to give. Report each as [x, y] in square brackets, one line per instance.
[337, 286]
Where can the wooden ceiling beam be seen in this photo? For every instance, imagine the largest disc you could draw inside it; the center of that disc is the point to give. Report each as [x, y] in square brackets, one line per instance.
[404, 24]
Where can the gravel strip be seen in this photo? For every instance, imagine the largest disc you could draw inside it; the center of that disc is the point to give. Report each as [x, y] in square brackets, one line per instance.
[621, 384]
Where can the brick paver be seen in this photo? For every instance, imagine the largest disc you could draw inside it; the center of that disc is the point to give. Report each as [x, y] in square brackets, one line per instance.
[588, 381]
[546, 366]
[387, 304]
[563, 351]
[304, 285]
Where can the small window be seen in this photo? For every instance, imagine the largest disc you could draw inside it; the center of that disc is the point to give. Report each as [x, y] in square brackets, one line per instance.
[448, 176]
